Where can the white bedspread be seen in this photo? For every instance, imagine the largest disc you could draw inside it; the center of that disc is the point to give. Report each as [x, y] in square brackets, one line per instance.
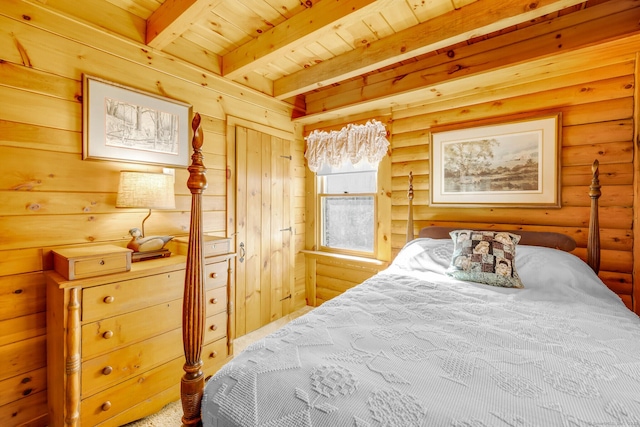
[412, 347]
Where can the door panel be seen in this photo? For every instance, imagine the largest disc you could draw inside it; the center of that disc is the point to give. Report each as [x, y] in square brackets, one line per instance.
[264, 276]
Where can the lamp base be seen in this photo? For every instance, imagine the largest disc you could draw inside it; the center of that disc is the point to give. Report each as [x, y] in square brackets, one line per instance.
[143, 256]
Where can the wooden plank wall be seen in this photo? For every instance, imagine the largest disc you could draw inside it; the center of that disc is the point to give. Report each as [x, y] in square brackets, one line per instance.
[50, 197]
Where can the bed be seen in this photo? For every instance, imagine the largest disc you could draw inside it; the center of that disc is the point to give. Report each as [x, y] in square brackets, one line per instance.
[541, 342]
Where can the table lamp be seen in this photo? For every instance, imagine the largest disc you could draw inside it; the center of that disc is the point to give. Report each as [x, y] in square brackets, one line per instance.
[148, 190]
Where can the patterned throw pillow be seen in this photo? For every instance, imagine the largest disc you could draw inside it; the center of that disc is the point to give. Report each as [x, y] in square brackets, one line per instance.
[486, 257]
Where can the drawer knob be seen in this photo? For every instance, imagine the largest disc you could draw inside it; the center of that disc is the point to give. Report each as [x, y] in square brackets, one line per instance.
[213, 354]
[214, 300]
[214, 275]
[214, 327]
[106, 406]
[101, 262]
[107, 335]
[107, 370]
[108, 300]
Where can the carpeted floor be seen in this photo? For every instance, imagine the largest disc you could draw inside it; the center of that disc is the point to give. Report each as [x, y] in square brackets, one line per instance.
[170, 415]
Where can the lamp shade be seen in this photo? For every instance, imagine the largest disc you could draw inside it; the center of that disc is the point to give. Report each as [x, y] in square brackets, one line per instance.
[145, 190]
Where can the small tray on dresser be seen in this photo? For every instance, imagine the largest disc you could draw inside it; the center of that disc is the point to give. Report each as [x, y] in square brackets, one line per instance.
[90, 261]
[211, 245]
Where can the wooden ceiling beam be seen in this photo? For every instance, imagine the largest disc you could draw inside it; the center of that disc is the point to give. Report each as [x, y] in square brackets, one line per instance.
[172, 18]
[298, 31]
[480, 17]
[582, 48]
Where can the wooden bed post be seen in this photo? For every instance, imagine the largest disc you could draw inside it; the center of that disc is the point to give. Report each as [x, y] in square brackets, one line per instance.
[593, 244]
[193, 307]
[410, 214]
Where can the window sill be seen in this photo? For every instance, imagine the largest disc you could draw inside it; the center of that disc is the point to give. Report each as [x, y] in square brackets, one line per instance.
[372, 262]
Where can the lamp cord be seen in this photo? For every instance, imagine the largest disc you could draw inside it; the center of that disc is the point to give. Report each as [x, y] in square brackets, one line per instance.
[145, 218]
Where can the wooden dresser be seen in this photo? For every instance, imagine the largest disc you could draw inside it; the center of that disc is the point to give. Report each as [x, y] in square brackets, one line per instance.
[114, 342]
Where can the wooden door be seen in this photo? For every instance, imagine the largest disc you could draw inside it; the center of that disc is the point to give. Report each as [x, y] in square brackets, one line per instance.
[264, 267]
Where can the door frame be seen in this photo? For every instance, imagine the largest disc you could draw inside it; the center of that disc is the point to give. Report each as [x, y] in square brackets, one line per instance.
[232, 186]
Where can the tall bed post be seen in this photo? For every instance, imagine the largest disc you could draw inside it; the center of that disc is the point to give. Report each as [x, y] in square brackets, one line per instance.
[410, 215]
[193, 307]
[593, 244]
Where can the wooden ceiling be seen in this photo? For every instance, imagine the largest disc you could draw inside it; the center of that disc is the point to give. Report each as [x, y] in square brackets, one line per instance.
[294, 49]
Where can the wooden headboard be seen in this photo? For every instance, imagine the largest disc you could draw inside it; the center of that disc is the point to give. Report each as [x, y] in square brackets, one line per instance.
[534, 238]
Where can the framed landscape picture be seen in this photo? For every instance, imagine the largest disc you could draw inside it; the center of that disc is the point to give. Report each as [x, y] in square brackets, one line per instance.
[512, 164]
[125, 124]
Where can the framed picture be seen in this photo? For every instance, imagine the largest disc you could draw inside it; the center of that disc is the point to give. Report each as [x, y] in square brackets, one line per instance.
[509, 164]
[125, 124]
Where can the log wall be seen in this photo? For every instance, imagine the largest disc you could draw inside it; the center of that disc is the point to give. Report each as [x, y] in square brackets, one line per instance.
[598, 108]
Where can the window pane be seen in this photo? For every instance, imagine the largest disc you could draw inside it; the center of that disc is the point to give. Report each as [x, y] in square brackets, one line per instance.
[348, 222]
[363, 182]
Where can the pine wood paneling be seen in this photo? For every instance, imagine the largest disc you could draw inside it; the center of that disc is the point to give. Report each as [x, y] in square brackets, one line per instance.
[21, 295]
[50, 197]
[22, 357]
[19, 386]
[30, 411]
[458, 74]
[23, 327]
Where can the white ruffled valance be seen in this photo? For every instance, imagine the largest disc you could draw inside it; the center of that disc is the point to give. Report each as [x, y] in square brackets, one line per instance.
[351, 143]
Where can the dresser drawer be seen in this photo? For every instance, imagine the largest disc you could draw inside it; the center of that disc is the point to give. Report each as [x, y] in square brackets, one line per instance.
[108, 369]
[216, 301]
[211, 245]
[214, 355]
[109, 403]
[106, 335]
[122, 297]
[215, 275]
[215, 327]
[215, 245]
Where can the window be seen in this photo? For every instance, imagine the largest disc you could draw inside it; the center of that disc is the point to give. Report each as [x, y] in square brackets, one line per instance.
[347, 208]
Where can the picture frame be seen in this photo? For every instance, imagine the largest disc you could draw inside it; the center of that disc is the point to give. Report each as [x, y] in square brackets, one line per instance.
[511, 164]
[122, 123]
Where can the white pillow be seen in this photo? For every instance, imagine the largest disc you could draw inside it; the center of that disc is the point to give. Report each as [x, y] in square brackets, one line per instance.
[425, 255]
[559, 273]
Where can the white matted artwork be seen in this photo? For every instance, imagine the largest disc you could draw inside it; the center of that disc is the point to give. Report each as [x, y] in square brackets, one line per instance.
[509, 164]
[126, 124]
